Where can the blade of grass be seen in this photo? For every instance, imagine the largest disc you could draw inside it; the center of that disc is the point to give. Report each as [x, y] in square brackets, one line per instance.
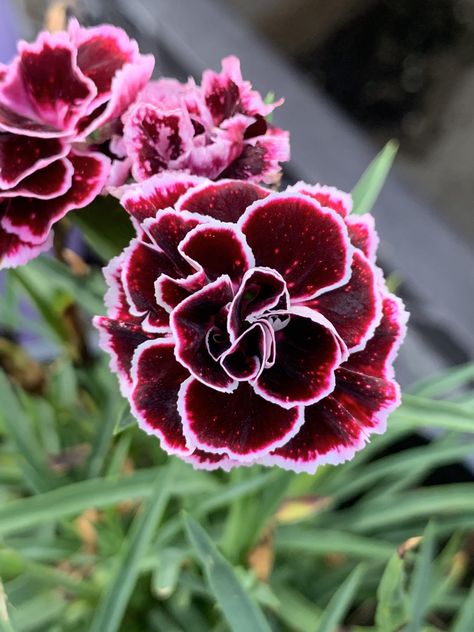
[340, 602]
[109, 614]
[421, 584]
[366, 191]
[237, 607]
[465, 618]
[445, 382]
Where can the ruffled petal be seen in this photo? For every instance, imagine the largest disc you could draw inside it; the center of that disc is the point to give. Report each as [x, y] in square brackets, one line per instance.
[330, 434]
[363, 235]
[31, 219]
[157, 378]
[329, 197]
[20, 156]
[235, 424]
[260, 158]
[15, 252]
[45, 85]
[142, 265]
[202, 460]
[159, 192]
[308, 351]
[219, 249]
[355, 308]
[191, 322]
[306, 243]
[120, 340]
[156, 139]
[223, 200]
[49, 182]
[246, 358]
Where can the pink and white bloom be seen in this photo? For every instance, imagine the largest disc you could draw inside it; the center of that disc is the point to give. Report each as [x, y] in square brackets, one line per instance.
[247, 326]
[54, 94]
[217, 129]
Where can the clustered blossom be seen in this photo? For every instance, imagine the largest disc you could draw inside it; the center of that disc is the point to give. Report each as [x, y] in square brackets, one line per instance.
[57, 92]
[247, 326]
[217, 130]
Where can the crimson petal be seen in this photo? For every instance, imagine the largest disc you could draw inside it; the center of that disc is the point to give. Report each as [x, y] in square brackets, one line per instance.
[235, 423]
[15, 252]
[224, 200]
[49, 182]
[330, 434]
[306, 243]
[219, 249]
[21, 156]
[308, 350]
[142, 265]
[202, 460]
[44, 84]
[363, 235]
[329, 197]
[155, 139]
[191, 321]
[355, 308]
[245, 359]
[120, 340]
[157, 193]
[157, 378]
[31, 219]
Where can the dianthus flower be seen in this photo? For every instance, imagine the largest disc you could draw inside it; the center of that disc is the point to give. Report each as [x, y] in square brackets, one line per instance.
[247, 326]
[53, 96]
[217, 130]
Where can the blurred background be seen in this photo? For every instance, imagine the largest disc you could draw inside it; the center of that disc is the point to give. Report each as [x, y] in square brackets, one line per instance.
[354, 73]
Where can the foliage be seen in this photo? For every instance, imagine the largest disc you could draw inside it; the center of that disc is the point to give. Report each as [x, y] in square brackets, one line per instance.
[99, 530]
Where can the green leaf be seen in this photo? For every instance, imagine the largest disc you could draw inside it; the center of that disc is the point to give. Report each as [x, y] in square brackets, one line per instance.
[110, 611]
[445, 382]
[340, 602]
[422, 581]
[237, 607]
[75, 498]
[166, 575]
[367, 190]
[392, 605]
[464, 621]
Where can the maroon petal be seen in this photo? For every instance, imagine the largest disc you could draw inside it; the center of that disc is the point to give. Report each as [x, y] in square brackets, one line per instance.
[224, 200]
[170, 292]
[159, 192]
[202, 460]
[191, 321]
[219, 249]
[308, 350]
[115, 298]
[355, 308]
[44, 84]
[378, 355]
[261, 158]
[235, 423]
[329, 197]
[15, 252]
[120, 340]
[261, 289]
[156, 139]
[157, 378]
[306, 243]
[11, 121]
[49, 182]
[142, 265]
[245, 359]
[21, 156]
[362, 234]
[330, 434]
[31, 219]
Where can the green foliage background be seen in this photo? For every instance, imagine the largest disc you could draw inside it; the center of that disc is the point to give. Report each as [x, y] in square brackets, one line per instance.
[101, 531]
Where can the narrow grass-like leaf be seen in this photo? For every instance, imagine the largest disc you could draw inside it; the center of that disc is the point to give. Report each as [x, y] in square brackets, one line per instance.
[73, 499]
[445, 382]
[422, 581]
[367, 190]
[340, 602]
[464, 621]
[392, 601]
[237, 607]
[109, 614]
